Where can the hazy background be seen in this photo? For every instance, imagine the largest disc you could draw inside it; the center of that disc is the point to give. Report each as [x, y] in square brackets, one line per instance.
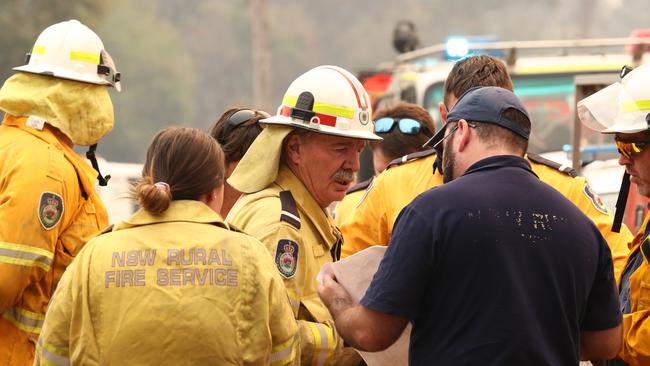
[185, 62]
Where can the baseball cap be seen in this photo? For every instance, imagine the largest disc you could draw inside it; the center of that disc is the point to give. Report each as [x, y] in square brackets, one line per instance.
[485, 104]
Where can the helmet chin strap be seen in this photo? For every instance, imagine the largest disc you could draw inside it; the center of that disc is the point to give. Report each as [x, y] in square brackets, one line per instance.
[621, 202]
[90, 155]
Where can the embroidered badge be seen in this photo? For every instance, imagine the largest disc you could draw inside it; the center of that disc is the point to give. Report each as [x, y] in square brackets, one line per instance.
[50, 210]
[286, 257]
[595, 199]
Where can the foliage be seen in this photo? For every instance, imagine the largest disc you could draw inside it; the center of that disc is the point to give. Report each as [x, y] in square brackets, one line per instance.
[186, 61]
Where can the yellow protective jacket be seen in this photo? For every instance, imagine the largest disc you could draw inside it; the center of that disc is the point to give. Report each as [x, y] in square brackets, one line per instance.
[48, 210]
[371, 223]
[180, 288]
[353, 196]
[301, 237]
[636, 324]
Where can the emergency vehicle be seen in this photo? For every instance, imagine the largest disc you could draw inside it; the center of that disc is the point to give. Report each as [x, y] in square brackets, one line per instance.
[548, 76]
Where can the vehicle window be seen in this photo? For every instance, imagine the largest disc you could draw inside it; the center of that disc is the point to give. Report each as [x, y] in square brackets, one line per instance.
[433, 96]
[551, 105]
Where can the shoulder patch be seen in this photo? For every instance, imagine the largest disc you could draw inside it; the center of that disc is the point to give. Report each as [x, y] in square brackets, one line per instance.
[550, 163]
[410, 157]
[286, 257]
[289, 212]
[50, 210]
[595, 199]
[360, 186]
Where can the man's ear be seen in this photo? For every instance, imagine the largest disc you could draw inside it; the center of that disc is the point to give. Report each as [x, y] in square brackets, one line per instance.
[464, 130]
[443, 112]
[293, 148]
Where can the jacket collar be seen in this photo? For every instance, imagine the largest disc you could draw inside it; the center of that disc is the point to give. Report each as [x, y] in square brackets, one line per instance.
[319, 217]
[500, 161]
[87, 175]
[178, 211]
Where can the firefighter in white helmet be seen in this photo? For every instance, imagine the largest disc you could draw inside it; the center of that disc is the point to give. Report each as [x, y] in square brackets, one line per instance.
[304, 160]
[48, 204]
[623, 109]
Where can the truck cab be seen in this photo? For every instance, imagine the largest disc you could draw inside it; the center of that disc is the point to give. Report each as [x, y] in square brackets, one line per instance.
[549, 77]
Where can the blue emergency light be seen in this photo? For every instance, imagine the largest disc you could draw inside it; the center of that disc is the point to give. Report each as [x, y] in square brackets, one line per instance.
[457, 48]
[593, 152]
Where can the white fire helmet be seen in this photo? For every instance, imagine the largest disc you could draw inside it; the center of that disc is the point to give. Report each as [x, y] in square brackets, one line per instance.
[70, 50]
[327, 99]
[623, 107]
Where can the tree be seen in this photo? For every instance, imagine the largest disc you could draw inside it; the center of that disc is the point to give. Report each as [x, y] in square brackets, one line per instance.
[158, 78]
[22, 21]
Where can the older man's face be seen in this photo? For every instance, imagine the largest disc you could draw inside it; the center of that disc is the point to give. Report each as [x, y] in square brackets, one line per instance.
[638, 165]
[326, 165]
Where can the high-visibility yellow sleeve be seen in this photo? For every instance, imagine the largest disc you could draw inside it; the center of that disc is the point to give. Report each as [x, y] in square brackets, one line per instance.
[617, 242]
[344, 208]
[52, 347]
[578, 191]
[636, 338]
[317, 343]
[370, 223]
[27, 242]
[284, 329]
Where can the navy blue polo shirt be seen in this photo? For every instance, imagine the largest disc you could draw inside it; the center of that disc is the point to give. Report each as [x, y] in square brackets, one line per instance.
[496, 268]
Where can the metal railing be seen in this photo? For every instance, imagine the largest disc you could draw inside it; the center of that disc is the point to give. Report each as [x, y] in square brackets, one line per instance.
[512, 47]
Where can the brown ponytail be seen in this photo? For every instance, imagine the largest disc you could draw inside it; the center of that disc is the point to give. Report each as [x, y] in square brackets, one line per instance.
[151, 197]
[182, 164]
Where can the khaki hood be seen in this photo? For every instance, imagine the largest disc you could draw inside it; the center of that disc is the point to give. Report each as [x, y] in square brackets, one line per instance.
[259, 166]
[82, 111]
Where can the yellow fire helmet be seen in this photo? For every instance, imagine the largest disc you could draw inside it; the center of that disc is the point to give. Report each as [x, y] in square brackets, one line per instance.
[623, 107]
[325, 99]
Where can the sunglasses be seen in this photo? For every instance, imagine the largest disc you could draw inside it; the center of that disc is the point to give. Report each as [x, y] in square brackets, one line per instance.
[630, 148]
[438, 146]
[237, 119]
[407, 126]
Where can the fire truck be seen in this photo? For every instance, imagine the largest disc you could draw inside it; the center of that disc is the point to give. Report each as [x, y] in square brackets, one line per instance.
[549, 77]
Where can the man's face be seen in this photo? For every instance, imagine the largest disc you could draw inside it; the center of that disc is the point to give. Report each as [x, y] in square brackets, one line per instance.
[326, 165]
[638, 165]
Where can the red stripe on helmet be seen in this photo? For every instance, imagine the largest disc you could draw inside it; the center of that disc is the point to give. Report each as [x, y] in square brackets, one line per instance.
[356, 92]
[325, 119]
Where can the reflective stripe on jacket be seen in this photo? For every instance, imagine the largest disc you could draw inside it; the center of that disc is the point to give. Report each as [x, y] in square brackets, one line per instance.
[180, 288]
[48, 210]
[300, 242]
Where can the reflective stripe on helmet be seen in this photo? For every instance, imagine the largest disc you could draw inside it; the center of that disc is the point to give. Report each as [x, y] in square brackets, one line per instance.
[323, 108]
[323, 119]
[38, 50]
[84, 56]
[636, 105]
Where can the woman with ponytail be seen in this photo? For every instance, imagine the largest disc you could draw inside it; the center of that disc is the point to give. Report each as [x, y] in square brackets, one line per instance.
[173, 284]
